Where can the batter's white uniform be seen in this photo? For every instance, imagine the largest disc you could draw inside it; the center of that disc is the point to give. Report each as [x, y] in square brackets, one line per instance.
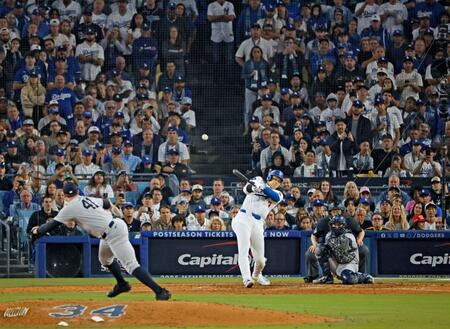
[249, 228]
[88, 212]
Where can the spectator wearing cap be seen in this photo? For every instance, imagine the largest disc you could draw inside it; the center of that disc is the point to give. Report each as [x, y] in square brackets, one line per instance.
[61, 141]
[393, 13]
[133, 224]
[358, 124]
[90, 55]
[320, 32]
[196, 198]
[363, 162]
[416, 154]
[147, 213]
[376, 30]
[182, 209]
[342, 145]
[349, 71]
[321, 84]
[87, 167]
[37, 19]
[27, 131]
[331, 112]
[55, 33]
[218, 187]
[216, 206]
[384, 123]
[13, 157]
[32, 96]
[129, 160]
[174, 121]
[187, 114]
[199, 222]
[61, 68]
[180, 90]
[5, 182]
[172, 143]
[382, 157]
[247, 19]
[364, 11]
[324, 53]
[92, 139]
[167, 78]
[432, 116]
[174, 166]
[436, 190]
[267, 108]
[427, 166]
[87, 22]
[245, 50]
[409, 81]
[66, 99]
[144, 49]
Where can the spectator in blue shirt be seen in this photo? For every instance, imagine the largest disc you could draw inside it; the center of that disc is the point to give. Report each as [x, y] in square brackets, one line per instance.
[434, 8]
[130, 161]
[37, 19]
[144, 50]
[66, 99]
[23, 74]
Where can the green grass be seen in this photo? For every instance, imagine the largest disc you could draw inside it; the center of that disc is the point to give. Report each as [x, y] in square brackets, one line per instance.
[424, 311]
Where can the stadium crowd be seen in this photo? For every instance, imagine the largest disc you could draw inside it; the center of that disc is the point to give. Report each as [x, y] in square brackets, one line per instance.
[94, 92]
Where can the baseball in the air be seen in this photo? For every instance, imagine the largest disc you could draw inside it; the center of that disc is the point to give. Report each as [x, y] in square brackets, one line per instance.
[205, 137]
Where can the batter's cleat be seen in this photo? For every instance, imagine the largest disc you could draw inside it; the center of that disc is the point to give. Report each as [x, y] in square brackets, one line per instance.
[368, 279]
[163, 295]
[262, 280]
[324, 280]
[248, 283]
[309, 279]
[119, 288]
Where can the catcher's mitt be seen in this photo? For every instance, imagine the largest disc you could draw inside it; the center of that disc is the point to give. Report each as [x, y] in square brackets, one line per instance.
[341, 249]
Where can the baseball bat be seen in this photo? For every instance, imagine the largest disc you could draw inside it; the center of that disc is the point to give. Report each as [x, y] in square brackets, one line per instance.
[241, 176]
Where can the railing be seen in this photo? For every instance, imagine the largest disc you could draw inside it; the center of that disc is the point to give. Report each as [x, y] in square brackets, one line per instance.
[4, 226]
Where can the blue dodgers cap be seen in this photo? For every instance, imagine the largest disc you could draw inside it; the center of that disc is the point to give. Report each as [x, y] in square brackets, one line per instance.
[87, 115]
[172, 5]
[358, 103]
[397, 33]
[200, 209]
[186, 191]
[127, 205]
[119, 115]
[383, 60]
[284, 91]
[90, 30]
[116, 150]
[318, 203]
[115, 73]
[11, 144]
[270, 7]
[424, 192]
[290, 27]
[70, 189]
[215, 201]
[379, 100]
[417, 142]
[145, 27]
[53, 110]
[266, 97]
[127, 143]
[179, 78]
[323, 142]
[364, 200]
[289, 196]
[408, 59]
[254, 119]
[172, 129]
[146, 160]
[145, 66]
[172, 152]
[87, 152]
[60, 152]
[420, 102]
[99, 146]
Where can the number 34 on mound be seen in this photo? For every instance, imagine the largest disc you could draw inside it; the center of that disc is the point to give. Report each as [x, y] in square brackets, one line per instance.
[72, 311]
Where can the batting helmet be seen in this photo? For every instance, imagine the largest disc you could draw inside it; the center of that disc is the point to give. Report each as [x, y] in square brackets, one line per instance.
[337, 224]
[275, 173]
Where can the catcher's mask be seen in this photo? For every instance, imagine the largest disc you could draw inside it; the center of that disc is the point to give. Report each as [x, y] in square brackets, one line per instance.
[337, 225]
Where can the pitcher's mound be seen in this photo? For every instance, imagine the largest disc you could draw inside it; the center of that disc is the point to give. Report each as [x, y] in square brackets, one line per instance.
[170, 314]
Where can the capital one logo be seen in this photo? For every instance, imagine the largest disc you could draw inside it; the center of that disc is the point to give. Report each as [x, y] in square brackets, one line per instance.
[421, 259]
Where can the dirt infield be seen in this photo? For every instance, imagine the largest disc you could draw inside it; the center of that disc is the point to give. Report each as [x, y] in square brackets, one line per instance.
[389, 288]
[167, 314]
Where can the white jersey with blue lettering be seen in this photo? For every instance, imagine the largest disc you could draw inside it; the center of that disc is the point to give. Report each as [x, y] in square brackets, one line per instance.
[87, 212]
[257, 203]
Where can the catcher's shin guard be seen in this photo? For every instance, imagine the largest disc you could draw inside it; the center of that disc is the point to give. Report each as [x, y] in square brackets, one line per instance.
[349, 277]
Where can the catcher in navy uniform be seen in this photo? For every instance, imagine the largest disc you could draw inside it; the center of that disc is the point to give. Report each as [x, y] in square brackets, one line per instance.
[342, 251]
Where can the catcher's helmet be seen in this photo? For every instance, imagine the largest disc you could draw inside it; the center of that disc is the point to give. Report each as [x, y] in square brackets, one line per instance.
[337, 224]
[275, 173]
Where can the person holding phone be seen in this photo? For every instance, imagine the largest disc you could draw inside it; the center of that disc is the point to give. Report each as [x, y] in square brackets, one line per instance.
[427, 167]
[343, 146]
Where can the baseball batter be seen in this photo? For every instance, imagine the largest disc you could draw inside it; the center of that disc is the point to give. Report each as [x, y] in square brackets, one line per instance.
[93, 216]
[261, 198]
[343, 254]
